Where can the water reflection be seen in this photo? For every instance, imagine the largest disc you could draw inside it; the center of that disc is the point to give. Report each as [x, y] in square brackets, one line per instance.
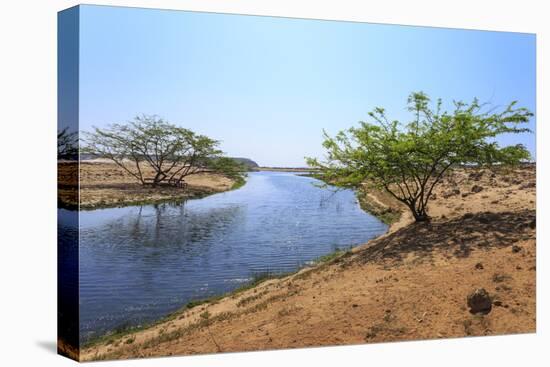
[169, 226]
[67, 279]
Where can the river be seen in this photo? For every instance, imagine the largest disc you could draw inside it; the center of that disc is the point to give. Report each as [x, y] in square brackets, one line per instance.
[139, 263]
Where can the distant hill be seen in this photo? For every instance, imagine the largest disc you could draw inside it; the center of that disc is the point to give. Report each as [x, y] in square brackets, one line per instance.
[249, 163]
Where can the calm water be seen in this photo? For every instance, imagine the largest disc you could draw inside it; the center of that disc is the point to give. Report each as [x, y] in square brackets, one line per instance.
[138, 264]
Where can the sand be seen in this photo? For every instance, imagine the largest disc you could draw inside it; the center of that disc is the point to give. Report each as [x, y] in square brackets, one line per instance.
[411, 283]
[104, 184]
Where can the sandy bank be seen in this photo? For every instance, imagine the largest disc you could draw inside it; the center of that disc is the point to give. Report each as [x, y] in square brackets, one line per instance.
[411, 283]
[104, 184]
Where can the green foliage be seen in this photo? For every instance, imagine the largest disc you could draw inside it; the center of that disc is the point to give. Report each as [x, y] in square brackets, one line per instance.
[330, 256]
[171, 151]
[387, 214]
[409, 160]
[229, 167]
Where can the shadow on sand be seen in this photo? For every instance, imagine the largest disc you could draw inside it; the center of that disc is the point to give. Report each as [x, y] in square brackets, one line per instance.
[454, 238]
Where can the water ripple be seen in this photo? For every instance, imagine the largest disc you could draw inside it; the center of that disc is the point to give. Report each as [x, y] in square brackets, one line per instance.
[138, 264]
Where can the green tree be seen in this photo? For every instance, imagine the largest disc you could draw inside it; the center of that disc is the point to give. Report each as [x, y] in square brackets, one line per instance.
[409, 160]
[229, 167]
[172, 152]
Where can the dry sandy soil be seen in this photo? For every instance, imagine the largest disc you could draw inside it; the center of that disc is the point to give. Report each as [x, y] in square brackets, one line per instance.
[411, 283]
[107, 185]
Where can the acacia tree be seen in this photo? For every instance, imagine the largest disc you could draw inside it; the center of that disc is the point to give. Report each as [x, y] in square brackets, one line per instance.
[409, 160]
[67, 144]
[172, 152]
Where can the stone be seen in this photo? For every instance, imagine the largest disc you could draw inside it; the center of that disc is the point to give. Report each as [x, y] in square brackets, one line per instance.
[528, 185]
[479, 266]
[499, 278]
[516, 249]
[479, 302]
[476, 188]
[475, 176]
[450, 193]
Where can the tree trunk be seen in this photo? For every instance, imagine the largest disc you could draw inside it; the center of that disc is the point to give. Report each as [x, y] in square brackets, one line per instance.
[158, 178]
[420, 216]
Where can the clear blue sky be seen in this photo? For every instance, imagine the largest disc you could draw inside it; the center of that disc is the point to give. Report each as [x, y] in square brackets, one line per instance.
[266, 87]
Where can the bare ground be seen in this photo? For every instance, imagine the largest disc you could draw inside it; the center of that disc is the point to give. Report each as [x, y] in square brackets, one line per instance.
[411, 283]
[107, 185]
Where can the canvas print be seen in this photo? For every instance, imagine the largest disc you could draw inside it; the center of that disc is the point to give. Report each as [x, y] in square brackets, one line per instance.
[232, 183]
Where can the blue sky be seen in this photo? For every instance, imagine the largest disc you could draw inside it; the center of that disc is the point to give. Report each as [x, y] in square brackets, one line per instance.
[266, 87]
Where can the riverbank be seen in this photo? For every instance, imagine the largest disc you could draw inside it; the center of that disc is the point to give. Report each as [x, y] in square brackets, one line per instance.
[105, 185]
[410, 283]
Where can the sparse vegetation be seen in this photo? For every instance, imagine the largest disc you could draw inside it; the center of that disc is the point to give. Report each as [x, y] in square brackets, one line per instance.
[239, 182]
[247, 300]
[200, 302]
[387, 214]
[330, 256]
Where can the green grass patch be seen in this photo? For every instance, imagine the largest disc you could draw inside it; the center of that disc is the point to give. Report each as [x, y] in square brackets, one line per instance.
[387, 215]
[239, 182]
[329, 257]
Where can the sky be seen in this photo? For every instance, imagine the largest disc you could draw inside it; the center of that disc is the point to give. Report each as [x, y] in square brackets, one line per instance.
[266, 87]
